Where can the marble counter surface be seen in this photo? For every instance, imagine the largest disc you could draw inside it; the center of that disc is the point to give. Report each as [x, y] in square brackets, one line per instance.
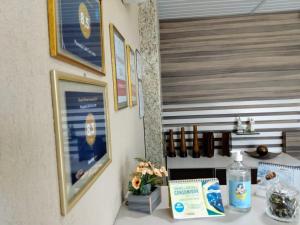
[219, 161]
[162, 215]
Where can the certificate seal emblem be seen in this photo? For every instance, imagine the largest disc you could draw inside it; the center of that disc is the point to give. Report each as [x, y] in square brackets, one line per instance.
[90, 129]
[84, 21]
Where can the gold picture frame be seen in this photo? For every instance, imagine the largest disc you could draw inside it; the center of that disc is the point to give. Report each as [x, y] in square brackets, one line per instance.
[82, 131]
[132, 79]
[77, 38]
[139, 72]
[119, 68]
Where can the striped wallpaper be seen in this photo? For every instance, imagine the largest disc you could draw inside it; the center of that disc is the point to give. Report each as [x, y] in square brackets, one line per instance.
[292, 143]
[216, 69]
[272, 117]
[230, 58]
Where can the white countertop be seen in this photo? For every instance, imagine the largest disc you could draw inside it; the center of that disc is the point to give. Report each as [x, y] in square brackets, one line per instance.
[219, 161]
[162, 215]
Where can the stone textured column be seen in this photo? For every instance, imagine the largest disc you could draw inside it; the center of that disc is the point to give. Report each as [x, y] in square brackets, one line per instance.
[149, 43]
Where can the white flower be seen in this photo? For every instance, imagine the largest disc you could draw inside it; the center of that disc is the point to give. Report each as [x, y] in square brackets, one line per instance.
[157, 172]
[149, 171]
[164, 171]
[144, 171]
[139, 169]
[151, 165]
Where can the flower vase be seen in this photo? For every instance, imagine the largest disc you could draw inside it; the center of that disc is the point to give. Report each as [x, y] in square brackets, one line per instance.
[145, 203]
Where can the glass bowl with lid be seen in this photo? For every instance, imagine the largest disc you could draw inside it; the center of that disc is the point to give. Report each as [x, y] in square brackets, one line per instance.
[283, 202]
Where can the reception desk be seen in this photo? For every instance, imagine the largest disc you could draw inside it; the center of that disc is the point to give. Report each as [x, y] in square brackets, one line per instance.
[203, 167]
[162, 215]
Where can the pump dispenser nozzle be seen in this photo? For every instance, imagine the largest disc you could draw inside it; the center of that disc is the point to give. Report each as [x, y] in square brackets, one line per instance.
[238, 156]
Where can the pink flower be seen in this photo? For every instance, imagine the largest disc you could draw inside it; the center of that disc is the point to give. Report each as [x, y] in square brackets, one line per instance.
[136, 182]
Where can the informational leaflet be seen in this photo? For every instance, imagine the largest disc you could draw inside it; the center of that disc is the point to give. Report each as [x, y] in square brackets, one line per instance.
[268, 173]
[196, 198]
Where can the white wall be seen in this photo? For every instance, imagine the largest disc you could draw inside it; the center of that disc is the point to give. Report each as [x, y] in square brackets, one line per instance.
[29, 193]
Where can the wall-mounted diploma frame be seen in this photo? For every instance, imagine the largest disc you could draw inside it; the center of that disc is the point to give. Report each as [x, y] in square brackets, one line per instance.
[76, 33]
[118, 59]
[132, 81]
[139, 72]
[141, 99]
[82, 134]
[139, 65]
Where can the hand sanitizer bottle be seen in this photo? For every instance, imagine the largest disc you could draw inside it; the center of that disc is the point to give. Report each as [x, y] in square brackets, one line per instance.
[239, 184]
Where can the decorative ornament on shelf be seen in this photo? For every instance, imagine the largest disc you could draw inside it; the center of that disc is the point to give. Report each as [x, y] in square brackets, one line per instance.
[226, 136]
[208, 144]
[183, 148]
[240, 127]
[251, 125]
[262, 152]
[196, 148]
[145, 193]
[170, 145]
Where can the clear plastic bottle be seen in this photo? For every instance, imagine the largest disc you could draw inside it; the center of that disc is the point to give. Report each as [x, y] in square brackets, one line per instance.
[239, 184]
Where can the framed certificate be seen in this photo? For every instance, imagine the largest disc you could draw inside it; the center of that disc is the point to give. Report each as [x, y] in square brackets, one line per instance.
[76, 33]
[118, 58]
[132, 80]
[139, 65]
[82, 134]
[139, 72]
[141, 100]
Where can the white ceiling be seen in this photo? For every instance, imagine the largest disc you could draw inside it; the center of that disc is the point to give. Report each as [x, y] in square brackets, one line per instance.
[174, 9]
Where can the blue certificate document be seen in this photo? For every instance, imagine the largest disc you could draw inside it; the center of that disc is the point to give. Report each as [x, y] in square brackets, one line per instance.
[82, 134]
[80, 30]
[86, 131]
[196, 198]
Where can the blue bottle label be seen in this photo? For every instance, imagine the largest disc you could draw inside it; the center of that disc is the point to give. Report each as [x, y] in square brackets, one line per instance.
[240, 194]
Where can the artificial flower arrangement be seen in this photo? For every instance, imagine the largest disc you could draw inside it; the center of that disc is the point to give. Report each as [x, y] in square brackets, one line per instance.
[146, 176]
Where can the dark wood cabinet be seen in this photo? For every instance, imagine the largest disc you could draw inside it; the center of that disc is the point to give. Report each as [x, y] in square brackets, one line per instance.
[254, 176]
[182, 174]
[221, 175]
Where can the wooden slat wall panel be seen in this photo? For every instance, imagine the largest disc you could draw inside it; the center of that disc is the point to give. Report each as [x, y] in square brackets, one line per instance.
[214, 70]
[232, 58]
[272, 118]
[171, 9]
[292, 143]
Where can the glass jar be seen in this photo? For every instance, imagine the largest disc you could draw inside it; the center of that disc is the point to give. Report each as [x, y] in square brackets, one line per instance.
[283, 203]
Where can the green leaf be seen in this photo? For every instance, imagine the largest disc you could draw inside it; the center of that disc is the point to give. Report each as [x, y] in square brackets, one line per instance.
[145, 189]
[140, 159]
